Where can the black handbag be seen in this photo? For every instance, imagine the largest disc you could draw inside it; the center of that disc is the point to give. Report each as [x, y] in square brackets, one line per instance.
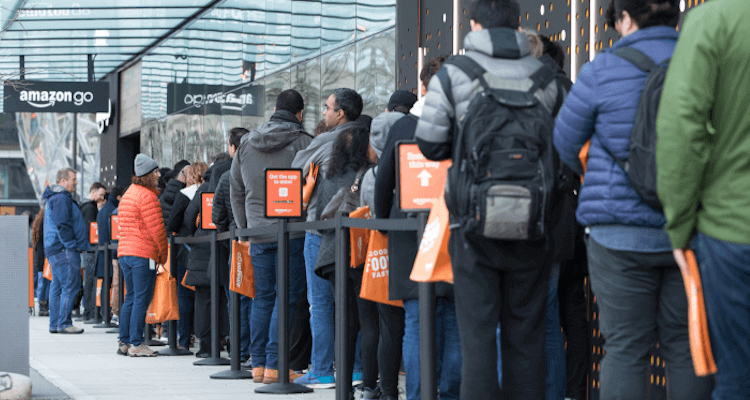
[345, 200]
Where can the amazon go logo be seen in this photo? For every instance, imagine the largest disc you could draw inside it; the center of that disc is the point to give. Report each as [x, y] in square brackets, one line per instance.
[48, 98]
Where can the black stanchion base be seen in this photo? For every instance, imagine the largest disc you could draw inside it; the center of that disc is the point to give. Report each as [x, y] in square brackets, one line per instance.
[174, 352]
[283, 388]
[155, 343]
[212, 361]
[232, 374]
[113, 330]
[106, 325]
[97, 321]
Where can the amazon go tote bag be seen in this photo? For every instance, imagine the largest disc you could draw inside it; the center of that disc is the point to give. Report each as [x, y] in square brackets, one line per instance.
[433, 263]
[164, 306]
[241, 278]
[375, 277]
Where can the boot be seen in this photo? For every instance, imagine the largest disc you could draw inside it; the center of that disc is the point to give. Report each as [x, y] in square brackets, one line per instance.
[44, 308]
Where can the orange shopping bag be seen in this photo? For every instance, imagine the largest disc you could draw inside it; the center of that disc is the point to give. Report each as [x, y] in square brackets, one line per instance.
[375, 277]
[99, 292]
[241, 277]
[359, 238]
[309, 188]
[164, 306]
[47, 274]
[187, 286]
[700, 343]
[31, 277]
[433, 263]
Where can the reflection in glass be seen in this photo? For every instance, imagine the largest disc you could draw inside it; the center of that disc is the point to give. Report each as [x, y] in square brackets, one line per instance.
[375, 71]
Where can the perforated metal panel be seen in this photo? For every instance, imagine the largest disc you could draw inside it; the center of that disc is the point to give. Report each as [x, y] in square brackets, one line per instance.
[14, 296]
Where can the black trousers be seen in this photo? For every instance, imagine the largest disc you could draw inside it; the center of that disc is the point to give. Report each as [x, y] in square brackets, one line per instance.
[575, 324]
[203, 315]
[300, 336]
[501, 282]
[369, 366]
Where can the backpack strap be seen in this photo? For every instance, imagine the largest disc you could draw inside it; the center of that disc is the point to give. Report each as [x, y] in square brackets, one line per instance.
[541, 78]
[637, 58]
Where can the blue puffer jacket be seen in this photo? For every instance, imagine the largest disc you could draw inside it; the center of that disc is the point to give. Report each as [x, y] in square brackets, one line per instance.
[601, 106]
[64, 228]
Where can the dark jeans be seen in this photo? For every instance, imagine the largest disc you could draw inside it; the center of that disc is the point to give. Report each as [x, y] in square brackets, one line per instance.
[725, 274]
[490, 287]
[66, 274]
[300, 337]
[42, 287]
[88, 260]
[139, 282]
[575, 324]
[641, 299]
[185, 300]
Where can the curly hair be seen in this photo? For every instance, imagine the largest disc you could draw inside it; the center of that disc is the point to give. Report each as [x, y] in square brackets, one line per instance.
[195, 173]
[430, 69]
[36, 228]
[349, 151]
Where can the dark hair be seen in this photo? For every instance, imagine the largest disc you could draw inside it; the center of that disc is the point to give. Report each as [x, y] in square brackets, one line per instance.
[320, 127]
[36, 227]
[645, 13]
[145, 180]
[166, 175]
[290, 100]
[431, 68]
[496, 13]
[97, 186]
[349, 151]
[235, 134]
[116, 191]
[223, 156]
[366, 121]
[554, 50]
[349, 101]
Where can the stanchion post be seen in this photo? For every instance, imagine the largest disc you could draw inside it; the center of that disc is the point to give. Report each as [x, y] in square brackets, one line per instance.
[215, 358]
[104, 296]
[172, 350]
[120, 285]
[427, 329]
[234, 371]
[341, 300]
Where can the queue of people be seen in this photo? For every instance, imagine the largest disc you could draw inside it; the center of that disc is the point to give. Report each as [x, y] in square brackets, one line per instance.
[530, 217]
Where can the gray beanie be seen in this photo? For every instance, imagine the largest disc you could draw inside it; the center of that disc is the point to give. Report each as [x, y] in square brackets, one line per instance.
[144, 165]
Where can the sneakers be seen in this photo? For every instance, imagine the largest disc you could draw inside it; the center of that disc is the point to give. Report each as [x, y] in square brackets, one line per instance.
[317, 382]
[122, 348]
[368, 393]
[141, 351]
[356, 378]
[71, 330]
[272, 376]
[247, 364]
[258, 373]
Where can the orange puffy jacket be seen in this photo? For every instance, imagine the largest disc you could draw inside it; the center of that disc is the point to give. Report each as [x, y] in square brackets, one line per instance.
[142, 232]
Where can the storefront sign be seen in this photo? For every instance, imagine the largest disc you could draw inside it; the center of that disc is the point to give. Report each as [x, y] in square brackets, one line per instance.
[214, 99]
[56, 97]
[114, 225]
[207, 206]
[93, 233]
[420, 181]
[283, 193]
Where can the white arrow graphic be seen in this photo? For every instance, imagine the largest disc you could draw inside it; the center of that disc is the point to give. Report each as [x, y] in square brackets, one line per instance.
[425, 177]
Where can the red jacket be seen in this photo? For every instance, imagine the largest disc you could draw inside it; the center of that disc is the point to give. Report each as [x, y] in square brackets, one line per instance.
[142, 232]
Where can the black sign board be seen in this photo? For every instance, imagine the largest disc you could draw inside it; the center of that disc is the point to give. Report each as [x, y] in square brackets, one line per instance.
[214, 99]
[61, 97]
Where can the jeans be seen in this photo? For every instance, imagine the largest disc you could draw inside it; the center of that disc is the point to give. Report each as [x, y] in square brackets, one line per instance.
[554, 345]
[448, 354]
[246, 306]
[320, 297]
[725, 274]
[66, 273]
[641, 299]
[264, 321]
[88, 259]
[139, 283]
[185, 300]
[42, 287]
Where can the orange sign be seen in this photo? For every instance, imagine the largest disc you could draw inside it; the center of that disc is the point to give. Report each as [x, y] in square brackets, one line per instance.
[93, 233]
[283, 193]
[114, 224]
[207, 206]
[421, 182]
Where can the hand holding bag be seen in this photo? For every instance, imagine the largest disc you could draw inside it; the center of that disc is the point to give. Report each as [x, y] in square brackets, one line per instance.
[345, 200]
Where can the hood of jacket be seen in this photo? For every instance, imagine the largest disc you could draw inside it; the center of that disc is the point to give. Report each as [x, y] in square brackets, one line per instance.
[189, 191]
[499, 43]
[54, 189]
[417, 108]
[380, 127]
[276, 134]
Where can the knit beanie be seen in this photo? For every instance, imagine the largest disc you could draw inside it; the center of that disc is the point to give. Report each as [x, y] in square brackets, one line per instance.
[144, 165]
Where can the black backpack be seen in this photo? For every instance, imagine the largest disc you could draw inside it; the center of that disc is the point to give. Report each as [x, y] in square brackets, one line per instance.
[640, 165]
[502, 181]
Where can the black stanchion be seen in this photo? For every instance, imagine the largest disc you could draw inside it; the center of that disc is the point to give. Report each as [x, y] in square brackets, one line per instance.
[283, 386]
[172, 350]
[341, 299]
[427, 329]
[120, 290]
[215, 358]
[106, 309]
[150, 341]
[234, 371]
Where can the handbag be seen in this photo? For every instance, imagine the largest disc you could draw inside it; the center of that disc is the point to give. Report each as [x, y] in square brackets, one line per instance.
[375, 276]
[345, 200]
[433, 262]
[309, 188]
[241, 277]
[164, 305]
[359, 238]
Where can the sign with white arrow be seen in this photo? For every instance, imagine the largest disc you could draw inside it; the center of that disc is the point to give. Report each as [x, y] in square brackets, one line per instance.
[420, 182]
[424, 176]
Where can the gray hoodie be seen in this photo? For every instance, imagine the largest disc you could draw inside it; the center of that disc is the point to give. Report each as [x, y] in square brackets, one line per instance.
[381, 126]
[272, 145]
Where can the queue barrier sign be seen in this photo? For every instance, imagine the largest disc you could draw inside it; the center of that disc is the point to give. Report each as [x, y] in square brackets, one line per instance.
[283, 194]
[207, 206]
[93, 233]
[420, 182]
[114, 225]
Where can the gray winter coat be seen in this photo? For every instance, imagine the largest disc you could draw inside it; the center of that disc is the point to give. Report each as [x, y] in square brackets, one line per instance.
[379, 132]
[272, 145]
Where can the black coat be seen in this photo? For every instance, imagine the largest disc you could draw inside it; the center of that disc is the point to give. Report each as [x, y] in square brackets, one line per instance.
[168, 197]
[402, 246]
[222, 212]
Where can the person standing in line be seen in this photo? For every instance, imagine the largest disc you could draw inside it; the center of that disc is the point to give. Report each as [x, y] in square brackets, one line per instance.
[89, 210]
[42, 284]
[274, 144]
[142, 246]
[65, 237]
[703, 175]
[103, 226]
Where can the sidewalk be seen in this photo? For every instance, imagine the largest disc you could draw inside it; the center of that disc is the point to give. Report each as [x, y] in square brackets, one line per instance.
[87, 367]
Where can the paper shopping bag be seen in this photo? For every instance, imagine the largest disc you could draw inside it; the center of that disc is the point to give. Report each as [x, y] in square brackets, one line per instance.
[164, 305]
[47, 274]
[359, 238]
[375, 277]
[307, 190]
[433, 263]
[99, 292]
[241, 277]
[700, 342]
[187, 286]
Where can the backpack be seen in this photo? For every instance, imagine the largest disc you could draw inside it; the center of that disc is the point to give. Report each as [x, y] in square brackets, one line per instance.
[640, 166]
[503, 177]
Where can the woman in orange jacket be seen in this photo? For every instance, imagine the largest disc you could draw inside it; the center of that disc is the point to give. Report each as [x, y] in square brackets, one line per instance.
[143, 246]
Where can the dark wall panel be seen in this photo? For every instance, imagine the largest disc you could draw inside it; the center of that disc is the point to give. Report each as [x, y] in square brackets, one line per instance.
[109, 139]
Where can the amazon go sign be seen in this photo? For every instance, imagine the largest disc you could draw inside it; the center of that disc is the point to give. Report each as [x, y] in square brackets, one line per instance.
[38, 96]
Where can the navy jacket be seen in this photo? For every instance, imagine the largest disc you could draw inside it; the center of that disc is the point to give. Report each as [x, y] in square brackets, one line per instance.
[64, 228]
